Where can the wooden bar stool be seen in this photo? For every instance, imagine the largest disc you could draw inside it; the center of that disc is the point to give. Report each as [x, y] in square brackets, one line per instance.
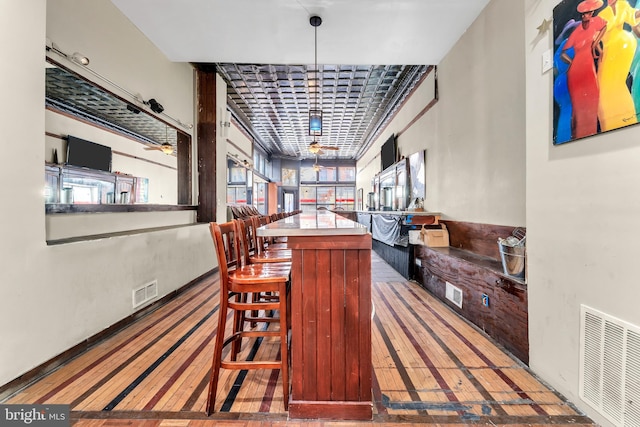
[254, 250]
[240, 290]
[269, 242]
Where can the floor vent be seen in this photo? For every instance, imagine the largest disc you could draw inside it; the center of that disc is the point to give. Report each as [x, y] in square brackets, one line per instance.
[145, 293]
[454, 294]
[610, 366]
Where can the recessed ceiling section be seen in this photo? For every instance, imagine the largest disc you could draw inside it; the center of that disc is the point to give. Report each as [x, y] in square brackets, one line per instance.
[273, 101]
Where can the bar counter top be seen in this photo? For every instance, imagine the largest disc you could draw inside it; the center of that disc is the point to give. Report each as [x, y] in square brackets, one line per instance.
[317, 223]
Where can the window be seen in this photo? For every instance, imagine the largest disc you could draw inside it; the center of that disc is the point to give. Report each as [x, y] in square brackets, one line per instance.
[347, 174]
[327, 174]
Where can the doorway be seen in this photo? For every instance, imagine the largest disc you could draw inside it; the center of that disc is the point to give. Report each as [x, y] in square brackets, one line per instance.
[289, 198]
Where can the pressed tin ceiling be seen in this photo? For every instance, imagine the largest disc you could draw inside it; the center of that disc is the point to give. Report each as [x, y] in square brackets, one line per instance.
[272, 103]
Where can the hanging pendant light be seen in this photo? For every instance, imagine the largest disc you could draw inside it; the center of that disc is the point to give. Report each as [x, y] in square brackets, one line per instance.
[315, 114]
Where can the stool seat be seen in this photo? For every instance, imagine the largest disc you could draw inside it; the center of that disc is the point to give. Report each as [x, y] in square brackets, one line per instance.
[259, 274]
[272, 256]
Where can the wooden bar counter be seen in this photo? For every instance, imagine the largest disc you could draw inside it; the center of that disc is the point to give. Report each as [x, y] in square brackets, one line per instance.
[330, 315]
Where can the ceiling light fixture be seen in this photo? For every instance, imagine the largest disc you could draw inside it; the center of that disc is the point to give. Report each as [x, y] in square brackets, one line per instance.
[315, 114]
[76, 57]
[80, 59]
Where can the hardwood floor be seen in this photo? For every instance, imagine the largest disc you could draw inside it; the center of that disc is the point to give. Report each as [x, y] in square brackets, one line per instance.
[430, 367]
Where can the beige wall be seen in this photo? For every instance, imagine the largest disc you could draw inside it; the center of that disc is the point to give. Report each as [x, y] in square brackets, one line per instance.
[583, 205]
[474, 135]
[54, 297]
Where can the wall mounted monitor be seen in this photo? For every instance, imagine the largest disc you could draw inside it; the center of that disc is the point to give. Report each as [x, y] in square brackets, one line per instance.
[88, 154]
[388, 152]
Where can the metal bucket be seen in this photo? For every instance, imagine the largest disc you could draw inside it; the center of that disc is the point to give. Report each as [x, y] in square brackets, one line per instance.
[513, 259]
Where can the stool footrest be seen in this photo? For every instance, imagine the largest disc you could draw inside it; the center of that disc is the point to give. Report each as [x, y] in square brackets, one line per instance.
[250, 365]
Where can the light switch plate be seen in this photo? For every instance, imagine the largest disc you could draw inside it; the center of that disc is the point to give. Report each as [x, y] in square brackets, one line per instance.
[547, 64]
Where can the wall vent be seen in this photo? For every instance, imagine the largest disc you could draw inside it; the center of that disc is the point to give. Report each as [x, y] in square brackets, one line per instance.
[145, 293]
[610, 366]
[454, 294]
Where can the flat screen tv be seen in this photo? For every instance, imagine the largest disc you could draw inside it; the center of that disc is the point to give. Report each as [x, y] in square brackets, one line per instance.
[388, 152]
[88, 154]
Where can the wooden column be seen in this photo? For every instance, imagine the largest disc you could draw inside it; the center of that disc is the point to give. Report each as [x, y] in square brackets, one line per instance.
[184, 169]
[206, 125]
[331, 327]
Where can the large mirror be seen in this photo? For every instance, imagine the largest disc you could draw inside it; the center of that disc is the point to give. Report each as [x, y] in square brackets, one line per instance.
[101, 149]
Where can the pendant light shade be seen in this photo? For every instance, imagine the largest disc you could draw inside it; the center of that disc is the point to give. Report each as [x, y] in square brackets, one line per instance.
[315, 123]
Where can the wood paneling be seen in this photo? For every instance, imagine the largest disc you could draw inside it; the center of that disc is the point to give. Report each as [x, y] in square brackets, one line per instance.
[506, 317]
[331, 327]
[184, 169]
[481, 239]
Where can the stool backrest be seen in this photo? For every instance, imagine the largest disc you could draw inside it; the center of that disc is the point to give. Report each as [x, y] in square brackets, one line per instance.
[248, 238]
[226, 242]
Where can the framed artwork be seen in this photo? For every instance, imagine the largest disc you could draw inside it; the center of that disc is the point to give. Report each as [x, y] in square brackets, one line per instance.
[418, 174]
[596, 67]
[289, 177]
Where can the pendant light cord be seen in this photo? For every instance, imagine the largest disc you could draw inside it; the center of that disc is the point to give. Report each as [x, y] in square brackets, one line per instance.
[316, 64]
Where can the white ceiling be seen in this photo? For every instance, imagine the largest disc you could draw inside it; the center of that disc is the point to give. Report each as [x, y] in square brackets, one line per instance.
[278, 31]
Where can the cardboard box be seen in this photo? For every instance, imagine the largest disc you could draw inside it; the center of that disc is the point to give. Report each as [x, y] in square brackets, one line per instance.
[435, 237]
[415, 237]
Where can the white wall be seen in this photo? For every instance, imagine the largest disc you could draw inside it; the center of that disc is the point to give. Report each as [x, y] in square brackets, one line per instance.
[474, 134]
[583, 208]
[53, 297]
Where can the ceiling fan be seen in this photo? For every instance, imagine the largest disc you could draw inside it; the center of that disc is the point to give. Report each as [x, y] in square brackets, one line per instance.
[316, 148]
[316, 166]
[165, 147]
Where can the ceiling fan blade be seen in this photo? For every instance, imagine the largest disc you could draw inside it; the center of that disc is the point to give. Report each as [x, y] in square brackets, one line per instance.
[325, 147]
[153, 148]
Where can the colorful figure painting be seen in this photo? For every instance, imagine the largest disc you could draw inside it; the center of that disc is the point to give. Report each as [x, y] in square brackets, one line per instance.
[596, 84]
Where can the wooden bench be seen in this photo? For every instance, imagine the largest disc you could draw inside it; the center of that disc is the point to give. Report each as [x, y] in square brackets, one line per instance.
[493, 301]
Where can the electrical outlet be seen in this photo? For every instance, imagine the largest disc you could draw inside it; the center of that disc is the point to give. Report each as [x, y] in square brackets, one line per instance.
[485, 300]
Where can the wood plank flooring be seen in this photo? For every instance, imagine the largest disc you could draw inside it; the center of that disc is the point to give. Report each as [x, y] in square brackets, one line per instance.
[430, 367]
